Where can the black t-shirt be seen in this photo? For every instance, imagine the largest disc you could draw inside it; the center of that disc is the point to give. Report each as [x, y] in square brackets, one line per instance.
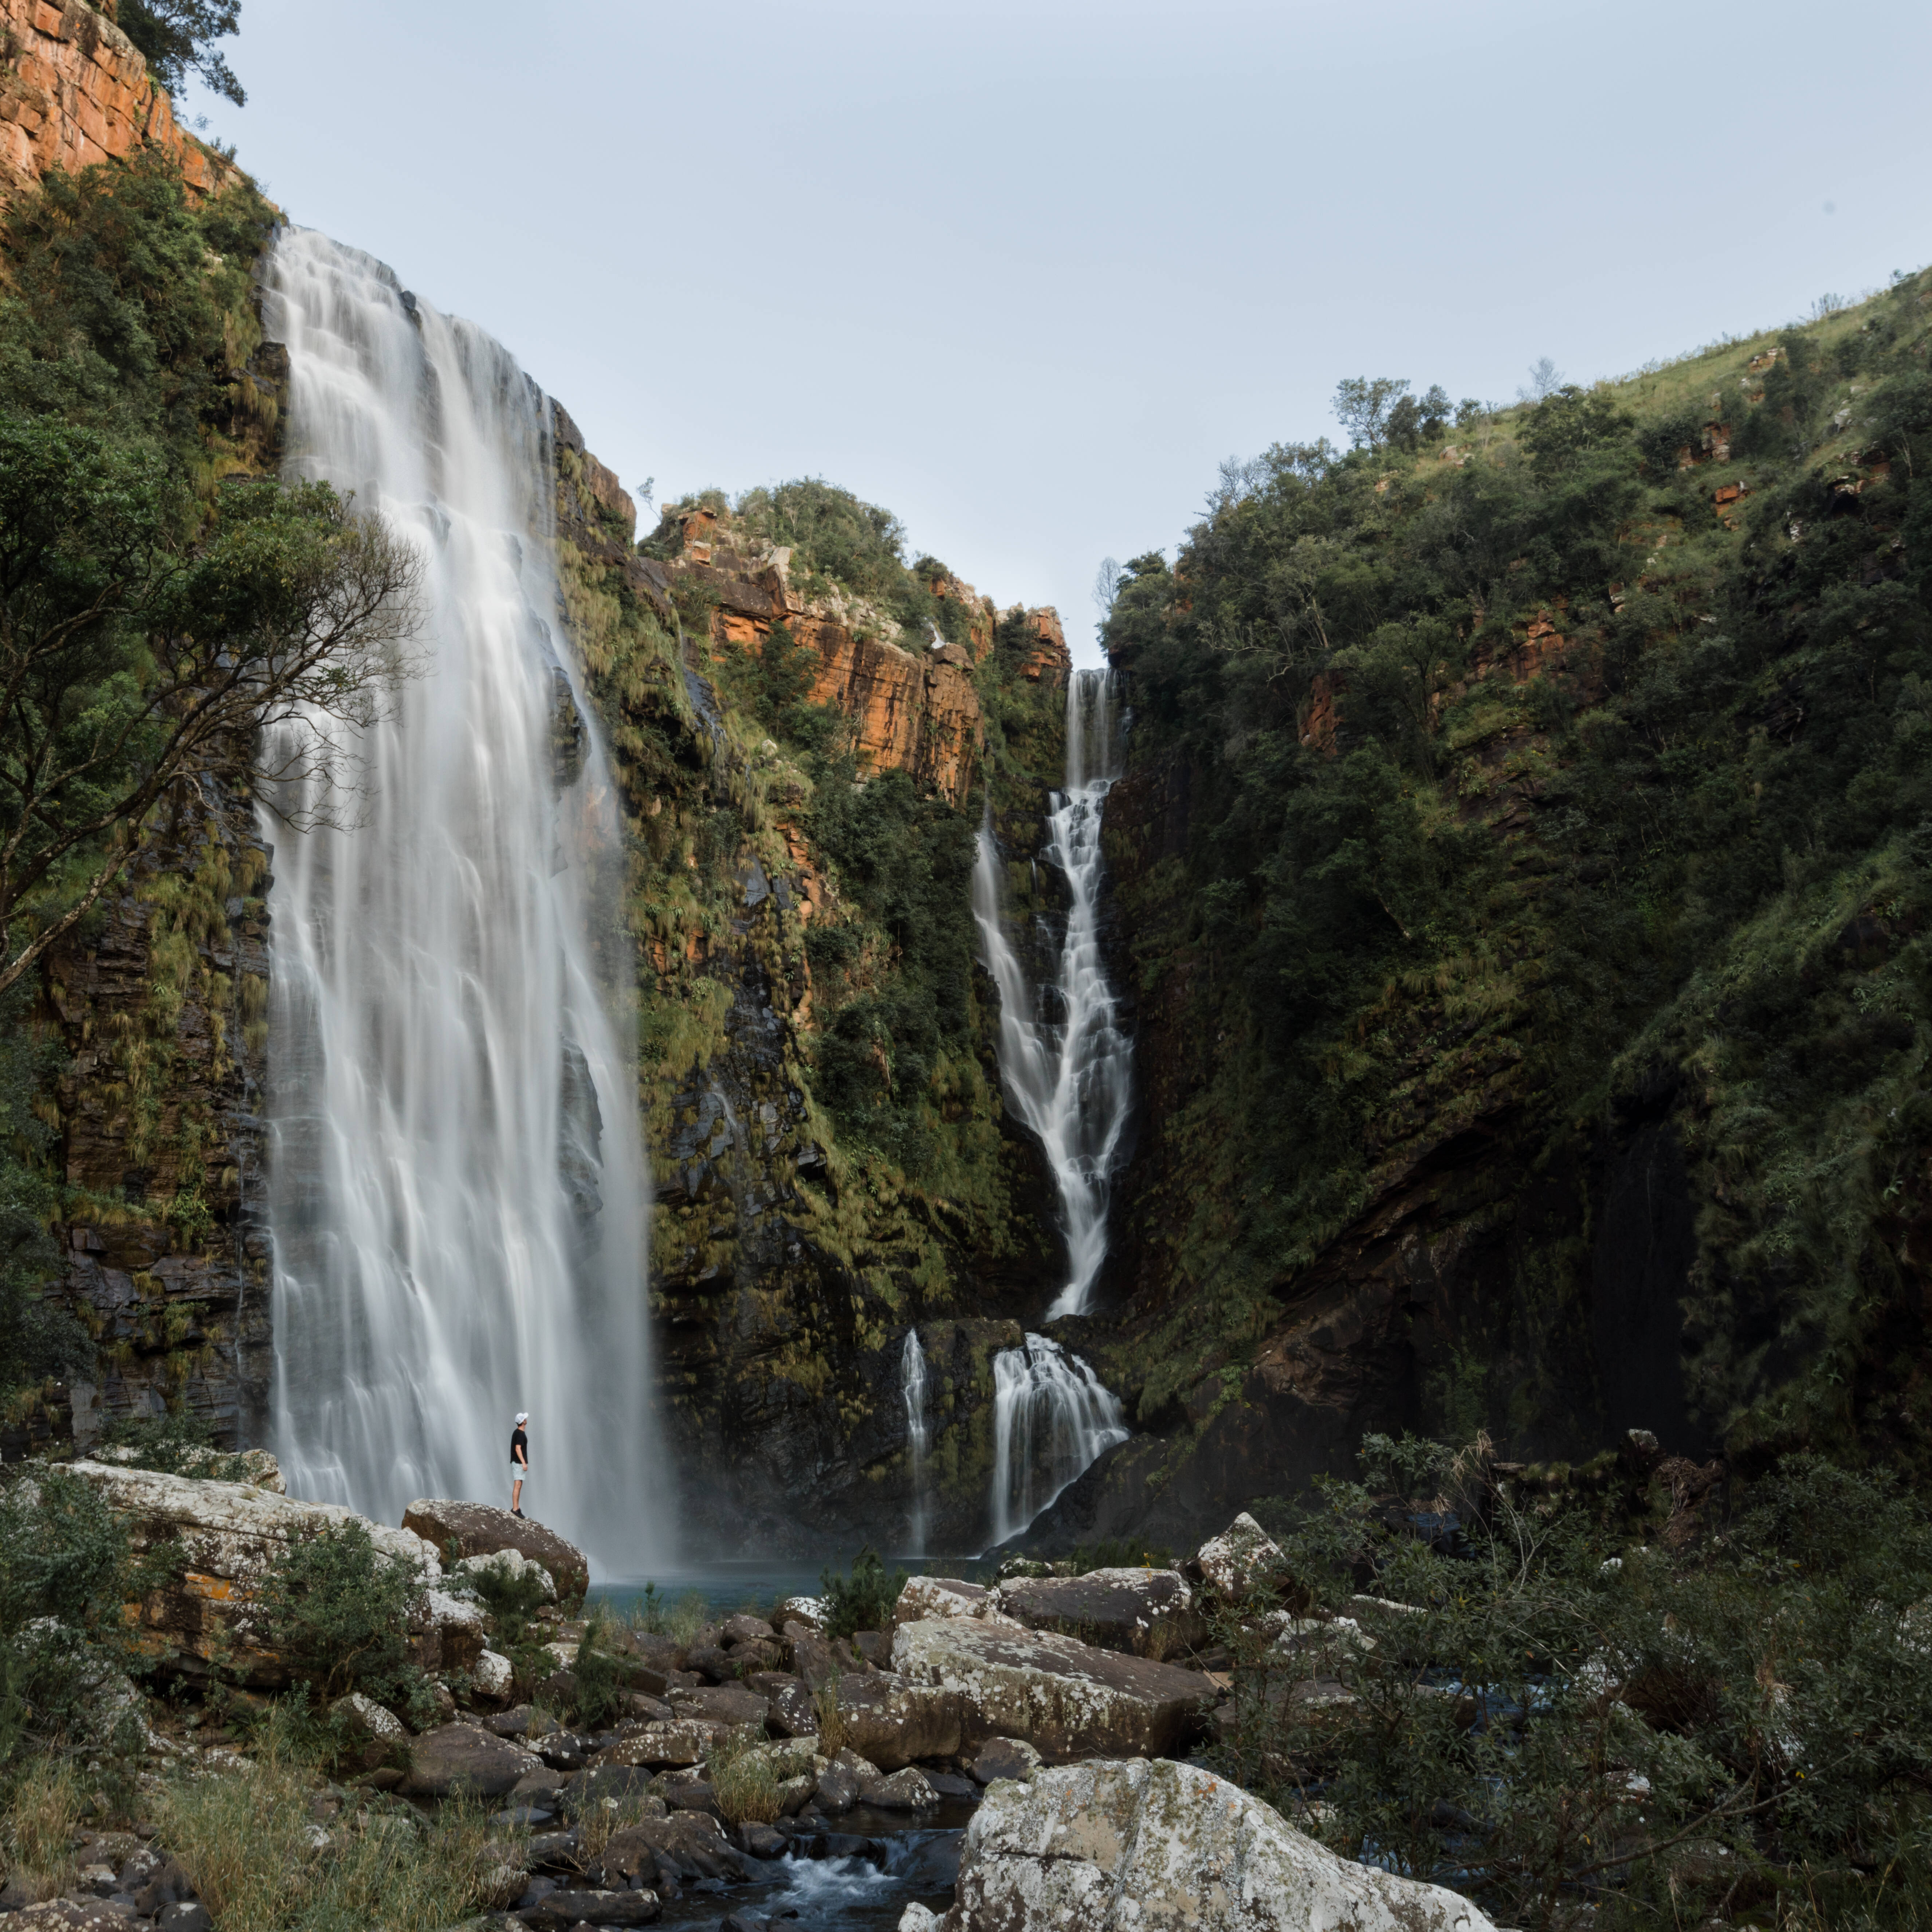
[520, 1447]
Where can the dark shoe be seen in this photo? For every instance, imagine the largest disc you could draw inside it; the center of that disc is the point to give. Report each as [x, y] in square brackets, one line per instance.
[518, 1514]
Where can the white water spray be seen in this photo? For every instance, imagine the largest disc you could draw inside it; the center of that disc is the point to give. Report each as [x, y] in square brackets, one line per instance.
[1050, 1418]
[459, 1193]
[913, 1388]
[1064, 1061]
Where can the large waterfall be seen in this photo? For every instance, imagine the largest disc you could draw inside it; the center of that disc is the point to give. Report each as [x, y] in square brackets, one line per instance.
[459, 1193]
[1065, 1065]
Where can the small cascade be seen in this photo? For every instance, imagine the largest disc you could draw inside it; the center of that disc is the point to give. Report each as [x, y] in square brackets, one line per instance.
[913, 1388]
[1065, 1063]
[1050, 1418]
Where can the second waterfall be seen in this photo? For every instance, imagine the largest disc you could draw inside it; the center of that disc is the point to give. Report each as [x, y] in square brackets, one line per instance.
[1066, 1065]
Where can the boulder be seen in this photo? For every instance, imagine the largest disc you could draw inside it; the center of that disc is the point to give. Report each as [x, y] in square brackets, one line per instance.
[793, 1714]
[587, 1790]
[1147, 1613]
[809, 1610]
[508, 1567]
[449, 1632]
[906, 1790]
[490, 1677]
[838, 1788]
[629, 1855]
[893, 1723]
[925, 1596]
[682, 1741]
[1005, 1757]
[208, 1546]
[689, 1845]
[465, 1758]
[1107, 1845]
[748, 1629]
[816, 1658]
[1066, 1698]
[722, 1703]
[477, 1529]
[371, 1735]
[1239, 1557]
[562, 1908]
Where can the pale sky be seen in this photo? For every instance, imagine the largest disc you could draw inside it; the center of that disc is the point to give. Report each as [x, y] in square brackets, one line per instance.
[1026, 273]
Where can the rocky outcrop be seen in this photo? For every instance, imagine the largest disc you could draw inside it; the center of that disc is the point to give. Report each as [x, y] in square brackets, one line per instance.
[477, 1529]
[1065, 1698]
[1138, 1847]
[459, 1759]
[208, 1547]
[74, 90]
[1147, 1612]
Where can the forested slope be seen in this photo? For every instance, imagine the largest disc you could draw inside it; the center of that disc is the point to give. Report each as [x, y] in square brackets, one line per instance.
[1523, 875]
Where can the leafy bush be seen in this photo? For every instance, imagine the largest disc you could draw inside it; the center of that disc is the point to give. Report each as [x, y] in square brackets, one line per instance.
[1558, 1716]
[339, 1608]
[598, 1671]
[863, 1600]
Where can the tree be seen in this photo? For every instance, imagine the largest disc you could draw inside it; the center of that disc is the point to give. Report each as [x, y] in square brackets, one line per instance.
[1414, 419]
[174, 34]
[137, 652]
[1545, 379]
[1362, 406]
[1106, 585]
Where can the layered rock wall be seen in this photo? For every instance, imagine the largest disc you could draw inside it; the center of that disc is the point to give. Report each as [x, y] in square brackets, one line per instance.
[74, 90]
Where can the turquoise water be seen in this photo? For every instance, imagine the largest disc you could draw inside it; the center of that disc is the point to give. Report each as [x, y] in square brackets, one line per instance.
[727, 1587]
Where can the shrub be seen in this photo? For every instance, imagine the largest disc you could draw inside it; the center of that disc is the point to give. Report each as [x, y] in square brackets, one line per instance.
[339, 1608]
[39, 1828]
[598, 1671]
[831, 1719]
[743, 1779]
[864, 1600]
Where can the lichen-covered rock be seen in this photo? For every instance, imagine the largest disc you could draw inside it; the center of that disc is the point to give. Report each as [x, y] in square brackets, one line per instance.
[1239, 1557]
[891, 1722]
[507, 1566]
[452, 1633]
[906, 1790]
[491, 1677]
[682, 1741]
[457, 1758]
[1159, 1847]
[477, 1529]
[1066, 1698]
[1149, 1612]
[1005, 1757]
[722, 1703]
[212, 1544]
[374, 1736]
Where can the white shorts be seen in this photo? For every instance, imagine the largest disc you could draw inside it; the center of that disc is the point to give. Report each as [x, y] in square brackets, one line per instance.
[519, 1472]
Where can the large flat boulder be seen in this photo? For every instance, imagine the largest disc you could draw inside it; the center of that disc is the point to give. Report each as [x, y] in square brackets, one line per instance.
[1243, 1556]
[478, 1530]
[892, 1724]
[722, 1703]
[211, 1544]
[1066, 1698]
[1157, 1847]
[455, 1758]
[1147, 1612]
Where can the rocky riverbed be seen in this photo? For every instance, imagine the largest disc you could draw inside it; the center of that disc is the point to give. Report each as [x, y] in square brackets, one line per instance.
[1007, 1755]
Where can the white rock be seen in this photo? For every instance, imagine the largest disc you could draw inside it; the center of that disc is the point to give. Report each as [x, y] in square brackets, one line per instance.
[918, 1917]
[810, 1610]
[491, 1676]
[1236, 1559]
[1137, 1846]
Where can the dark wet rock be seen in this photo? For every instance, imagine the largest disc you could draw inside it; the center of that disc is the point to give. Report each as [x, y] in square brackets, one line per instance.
[689, 1845]
[709, 1660]
[894, 1723]
[838, 1788]
[564, 1908]
[762, 1841]
[875, 1646]
[724, 1704]
[457, 1758]
[588, 1788]
[792, 1713]
[743, 1629]
[950, 1784]
[1005, 1757]
[1147, 1613]
[906, 1790]
[690, 1794]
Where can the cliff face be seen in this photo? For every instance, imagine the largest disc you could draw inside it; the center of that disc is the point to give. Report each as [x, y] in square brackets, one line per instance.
[74, 90]
[794, 1244]
[1527, 950]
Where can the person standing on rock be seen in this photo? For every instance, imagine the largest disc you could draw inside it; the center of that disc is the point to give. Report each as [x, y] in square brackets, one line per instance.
[520, 1462]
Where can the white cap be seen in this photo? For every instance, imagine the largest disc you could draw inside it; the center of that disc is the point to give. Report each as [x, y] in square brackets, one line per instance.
[523, 1416]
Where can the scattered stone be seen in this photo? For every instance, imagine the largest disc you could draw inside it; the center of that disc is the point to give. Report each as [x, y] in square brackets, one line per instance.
[1239, 1557]
[1067, 1698]
[1105, 1846]
[562, 1908]
[762, 1841]
[950, 1784]
[794, 1794]
[1147, 1613]
[906, 1790]
[630, 1855]
[793, 1712]
[691, 1794]
[507, 1566]
[539, 1784]
[626, 1784]
[690, 1845]
[809, 1610]
[815, 1658]
[524, 1721]
[748, 1629]
[838, 1788]
[1005, 1757]
[708, 1660]
[465, 1757]
[478, 1530]
[187, 1914]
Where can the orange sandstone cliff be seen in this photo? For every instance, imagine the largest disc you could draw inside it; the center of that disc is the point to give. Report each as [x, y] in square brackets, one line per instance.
[74, 90]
